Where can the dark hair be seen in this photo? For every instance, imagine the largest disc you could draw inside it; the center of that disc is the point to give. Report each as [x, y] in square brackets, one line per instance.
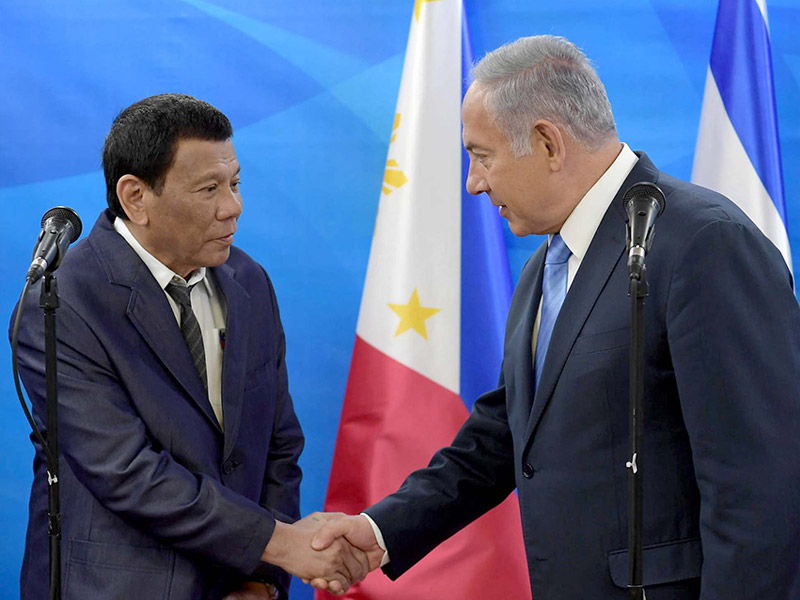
[144, 137]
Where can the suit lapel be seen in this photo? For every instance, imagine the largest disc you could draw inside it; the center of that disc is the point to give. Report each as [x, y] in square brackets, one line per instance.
[596, 268]
[519, 338]
[234, 361]
[149, 310]
[150, 313]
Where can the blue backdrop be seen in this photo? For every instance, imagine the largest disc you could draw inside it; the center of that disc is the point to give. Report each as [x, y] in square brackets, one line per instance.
[310, 88]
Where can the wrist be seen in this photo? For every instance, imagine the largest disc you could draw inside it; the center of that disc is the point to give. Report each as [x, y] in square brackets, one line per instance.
[278, 546]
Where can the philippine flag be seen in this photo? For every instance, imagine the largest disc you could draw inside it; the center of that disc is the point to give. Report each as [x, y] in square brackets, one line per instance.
[430, 327]
[737, 152]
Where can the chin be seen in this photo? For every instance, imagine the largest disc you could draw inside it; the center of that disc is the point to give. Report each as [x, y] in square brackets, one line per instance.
[518, 230]
[218, 258]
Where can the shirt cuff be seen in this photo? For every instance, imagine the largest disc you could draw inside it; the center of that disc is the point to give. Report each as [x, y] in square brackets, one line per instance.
[379, 537]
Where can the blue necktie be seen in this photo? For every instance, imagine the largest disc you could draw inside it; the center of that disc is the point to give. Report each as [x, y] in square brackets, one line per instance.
[554, 290]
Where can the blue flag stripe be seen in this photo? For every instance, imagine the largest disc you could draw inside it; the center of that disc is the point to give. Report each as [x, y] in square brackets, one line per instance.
[741, 64]
[486, 283]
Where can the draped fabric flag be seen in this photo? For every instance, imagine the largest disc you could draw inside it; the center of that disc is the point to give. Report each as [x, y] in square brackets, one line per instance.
[430, 326]
[737, 152]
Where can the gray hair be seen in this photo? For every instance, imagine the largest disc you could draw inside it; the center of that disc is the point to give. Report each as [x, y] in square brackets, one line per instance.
[544, 77]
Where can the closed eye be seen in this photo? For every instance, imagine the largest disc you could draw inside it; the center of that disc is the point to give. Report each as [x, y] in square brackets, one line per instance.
[481, 158]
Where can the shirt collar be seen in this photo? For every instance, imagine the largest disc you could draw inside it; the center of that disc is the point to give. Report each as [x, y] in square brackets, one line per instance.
[162, 274]
[581, 225]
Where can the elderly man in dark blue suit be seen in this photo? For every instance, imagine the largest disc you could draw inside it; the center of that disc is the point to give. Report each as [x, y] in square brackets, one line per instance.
[179, 441]
[722, 367]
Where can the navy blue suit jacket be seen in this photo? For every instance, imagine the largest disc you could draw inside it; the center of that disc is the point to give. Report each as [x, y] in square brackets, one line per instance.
[721, 457]
[158, 501]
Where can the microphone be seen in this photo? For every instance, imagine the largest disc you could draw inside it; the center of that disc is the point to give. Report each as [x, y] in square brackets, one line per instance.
[643, 202]
[60, 227]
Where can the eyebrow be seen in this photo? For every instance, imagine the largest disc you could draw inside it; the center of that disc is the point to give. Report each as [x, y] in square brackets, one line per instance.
[213, 174]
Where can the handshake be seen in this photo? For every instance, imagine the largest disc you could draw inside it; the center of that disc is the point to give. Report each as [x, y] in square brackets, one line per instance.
[331, 551]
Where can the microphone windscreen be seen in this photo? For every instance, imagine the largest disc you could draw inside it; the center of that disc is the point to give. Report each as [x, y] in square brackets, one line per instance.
[65, 213]
[642, 190]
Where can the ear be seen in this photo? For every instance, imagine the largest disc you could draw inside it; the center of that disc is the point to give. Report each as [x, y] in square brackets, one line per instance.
[547, 139]
[131, 192]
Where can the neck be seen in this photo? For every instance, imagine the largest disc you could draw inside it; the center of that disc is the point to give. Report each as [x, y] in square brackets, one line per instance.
[139, 233]
[586, 167]
[582, 169]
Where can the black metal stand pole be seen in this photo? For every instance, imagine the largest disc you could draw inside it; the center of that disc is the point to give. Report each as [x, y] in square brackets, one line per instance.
[638, 291]
[48, 301]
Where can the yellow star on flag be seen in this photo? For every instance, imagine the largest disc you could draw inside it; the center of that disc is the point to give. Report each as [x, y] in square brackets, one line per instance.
[413, 315]
[418, 6]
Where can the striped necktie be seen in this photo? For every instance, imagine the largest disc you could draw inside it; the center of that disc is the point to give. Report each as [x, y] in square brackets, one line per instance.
[554, 290]
[190, 328]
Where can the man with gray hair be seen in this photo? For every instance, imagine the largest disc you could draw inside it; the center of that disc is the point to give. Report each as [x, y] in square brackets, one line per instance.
[722, 361]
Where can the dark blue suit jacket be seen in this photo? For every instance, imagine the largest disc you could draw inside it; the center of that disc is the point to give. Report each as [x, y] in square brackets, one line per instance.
[158, 501]
[721, 457]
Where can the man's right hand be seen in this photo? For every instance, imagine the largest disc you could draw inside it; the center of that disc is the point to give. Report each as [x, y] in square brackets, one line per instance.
[356, 530]
[335, 567]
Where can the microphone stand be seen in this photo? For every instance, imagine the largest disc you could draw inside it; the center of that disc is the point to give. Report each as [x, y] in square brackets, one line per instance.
[48, 301]
[638, 291]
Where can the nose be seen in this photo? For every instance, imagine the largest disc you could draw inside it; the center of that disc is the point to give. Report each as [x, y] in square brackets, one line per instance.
[476, 179]
[230, 206]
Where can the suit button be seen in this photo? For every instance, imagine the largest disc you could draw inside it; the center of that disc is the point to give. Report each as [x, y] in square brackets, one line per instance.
[227, 467]
[527, 471]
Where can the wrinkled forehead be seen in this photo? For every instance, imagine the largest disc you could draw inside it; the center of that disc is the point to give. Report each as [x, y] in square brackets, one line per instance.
[475, 118]
[196, 157]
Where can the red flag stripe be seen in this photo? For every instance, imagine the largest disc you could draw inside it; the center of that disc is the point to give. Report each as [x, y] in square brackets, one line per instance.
[393, 421]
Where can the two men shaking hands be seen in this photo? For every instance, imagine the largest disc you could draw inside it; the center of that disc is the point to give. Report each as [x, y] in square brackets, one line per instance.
[179, 440]
[344, 549]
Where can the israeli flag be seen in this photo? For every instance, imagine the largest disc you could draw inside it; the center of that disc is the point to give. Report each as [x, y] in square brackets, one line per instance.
[737, 150]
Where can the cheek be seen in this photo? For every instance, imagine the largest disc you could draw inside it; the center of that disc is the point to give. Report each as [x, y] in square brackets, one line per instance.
[198, 223]
[174, 218]
[522, 185]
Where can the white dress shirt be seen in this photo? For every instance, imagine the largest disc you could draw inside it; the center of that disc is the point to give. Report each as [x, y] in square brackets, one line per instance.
[582, 223]
[579, 228]
[208, 305]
